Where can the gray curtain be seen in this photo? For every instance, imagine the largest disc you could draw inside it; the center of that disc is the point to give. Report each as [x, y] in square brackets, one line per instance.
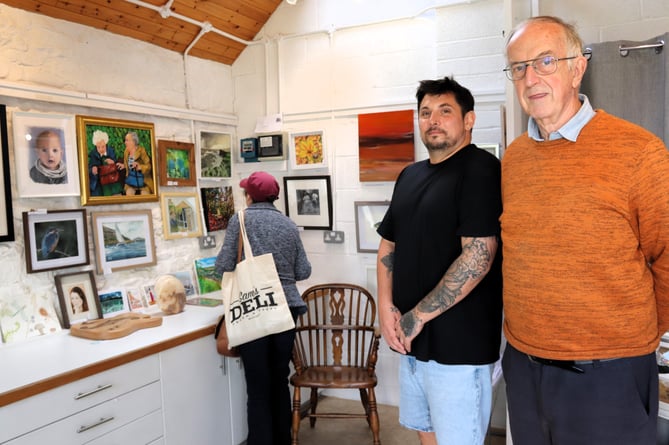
[632, 87]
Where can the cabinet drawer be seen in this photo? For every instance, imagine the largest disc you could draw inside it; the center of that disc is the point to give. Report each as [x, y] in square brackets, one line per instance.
[98, 420]
[50, 406]
[146, 430]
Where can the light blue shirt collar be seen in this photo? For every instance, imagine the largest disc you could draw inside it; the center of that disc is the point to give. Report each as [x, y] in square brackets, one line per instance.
[571, 129]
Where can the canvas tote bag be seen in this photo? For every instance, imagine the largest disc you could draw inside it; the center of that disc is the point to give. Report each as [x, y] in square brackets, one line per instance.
[255, 305]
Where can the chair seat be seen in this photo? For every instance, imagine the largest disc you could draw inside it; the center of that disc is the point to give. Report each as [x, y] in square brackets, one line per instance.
[338, 377]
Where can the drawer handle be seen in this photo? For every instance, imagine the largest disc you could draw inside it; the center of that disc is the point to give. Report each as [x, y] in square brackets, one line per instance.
[81, 395]
[98, 423]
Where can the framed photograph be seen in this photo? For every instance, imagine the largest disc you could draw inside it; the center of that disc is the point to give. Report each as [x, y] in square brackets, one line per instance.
[309, 201]
[176, 163]
[208, 280]
[368, 216]
[490, 148]
[78, 297]
[215, 155]
[55, 239]
[307, 150]
[113, 302]
[186, 278]
[6, 215]
[117, 161]
[181, 215]
[123, 240]
[45, 152]
[218, 206]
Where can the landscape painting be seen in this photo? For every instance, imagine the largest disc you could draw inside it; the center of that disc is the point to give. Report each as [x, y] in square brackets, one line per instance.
[208, 280]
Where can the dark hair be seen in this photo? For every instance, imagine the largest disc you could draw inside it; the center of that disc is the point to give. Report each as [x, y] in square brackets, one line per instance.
[462, 95]
[82, 294]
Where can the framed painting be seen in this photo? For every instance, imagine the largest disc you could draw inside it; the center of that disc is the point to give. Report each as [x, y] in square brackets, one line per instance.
[45, 155]
[78, 297]
[218, 206]
[215, 155]
[176, 163]
[186, 278]
[307, 150]
[385, 144]
[113, 302]
[123, 240]
[368, 216]
[117, 161]
[208, 280]
[55, 239]
[6, 215]
[490, 148]
[309, 201]
[181, 215]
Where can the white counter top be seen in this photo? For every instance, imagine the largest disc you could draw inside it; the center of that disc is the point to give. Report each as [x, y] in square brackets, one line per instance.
[54, 356]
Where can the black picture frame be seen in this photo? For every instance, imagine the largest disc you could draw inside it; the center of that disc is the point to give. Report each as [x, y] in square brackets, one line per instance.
[309, 201]
[6, 217]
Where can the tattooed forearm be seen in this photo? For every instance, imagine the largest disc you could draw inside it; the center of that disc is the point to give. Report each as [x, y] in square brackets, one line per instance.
[409, 323]
[388, 261]
[470, 266]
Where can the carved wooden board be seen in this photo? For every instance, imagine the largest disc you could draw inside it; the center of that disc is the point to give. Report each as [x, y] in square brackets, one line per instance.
[114, 327]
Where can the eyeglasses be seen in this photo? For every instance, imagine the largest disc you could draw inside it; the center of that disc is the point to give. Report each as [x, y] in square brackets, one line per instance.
[543, 66]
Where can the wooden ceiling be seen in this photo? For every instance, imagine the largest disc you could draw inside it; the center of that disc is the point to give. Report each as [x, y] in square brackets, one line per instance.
[143, 20]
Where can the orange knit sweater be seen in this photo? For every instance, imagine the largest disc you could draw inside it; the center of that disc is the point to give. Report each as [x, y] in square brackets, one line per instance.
[584, 230]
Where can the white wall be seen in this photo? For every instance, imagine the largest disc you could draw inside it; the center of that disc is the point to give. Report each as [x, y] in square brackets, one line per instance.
[321, 66]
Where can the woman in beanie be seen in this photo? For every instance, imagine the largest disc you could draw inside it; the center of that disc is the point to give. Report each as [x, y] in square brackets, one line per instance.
[266, 360]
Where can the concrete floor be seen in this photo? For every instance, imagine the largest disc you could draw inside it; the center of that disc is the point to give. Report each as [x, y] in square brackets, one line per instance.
[356, 431]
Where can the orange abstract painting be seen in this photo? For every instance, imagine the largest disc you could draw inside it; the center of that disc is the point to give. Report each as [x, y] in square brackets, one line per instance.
[386, 144]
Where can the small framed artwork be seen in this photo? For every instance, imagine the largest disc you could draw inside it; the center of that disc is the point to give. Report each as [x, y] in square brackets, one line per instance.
[368, 216]
[136, 300]
[123, 240]
[307, 150]
[309, 201]
[126, 149]
[490, 148]
[208, 280]
[78, 297]
[113, 302]
[215, 155]
[181, 215]
[55, 239]
[186, 278]
[176, 163]
[218, 206]
[6, 215]
[45, 152]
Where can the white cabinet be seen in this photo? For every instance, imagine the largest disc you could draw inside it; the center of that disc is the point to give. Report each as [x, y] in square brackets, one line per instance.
[197, 390]
[111, 402]
[240, 427]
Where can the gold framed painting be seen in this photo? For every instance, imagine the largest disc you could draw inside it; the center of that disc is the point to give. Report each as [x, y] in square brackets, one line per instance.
[181, 215]
[117, 161]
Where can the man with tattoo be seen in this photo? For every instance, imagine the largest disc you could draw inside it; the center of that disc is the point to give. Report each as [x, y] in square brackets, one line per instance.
[439, 273]
[586, 255]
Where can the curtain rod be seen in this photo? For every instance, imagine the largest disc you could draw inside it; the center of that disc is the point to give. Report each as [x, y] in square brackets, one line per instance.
[624, 50]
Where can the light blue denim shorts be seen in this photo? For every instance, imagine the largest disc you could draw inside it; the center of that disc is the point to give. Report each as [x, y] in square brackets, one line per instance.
[454, 401]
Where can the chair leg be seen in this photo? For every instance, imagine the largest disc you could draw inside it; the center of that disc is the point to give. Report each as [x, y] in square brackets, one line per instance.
[365, 402]
[296, 415]
[373, 417]
[313, 403]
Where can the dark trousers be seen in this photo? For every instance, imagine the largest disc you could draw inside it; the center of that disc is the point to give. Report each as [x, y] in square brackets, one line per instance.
[612, 402]
[266, 367]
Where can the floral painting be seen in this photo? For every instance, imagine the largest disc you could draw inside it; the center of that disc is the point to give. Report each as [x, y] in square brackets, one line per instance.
[307, 150]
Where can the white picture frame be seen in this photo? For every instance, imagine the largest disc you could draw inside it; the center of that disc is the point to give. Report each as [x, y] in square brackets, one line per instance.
[307, 150]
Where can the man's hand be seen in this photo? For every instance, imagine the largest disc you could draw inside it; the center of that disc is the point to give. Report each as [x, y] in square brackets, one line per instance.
[390, 317]
[408, 328]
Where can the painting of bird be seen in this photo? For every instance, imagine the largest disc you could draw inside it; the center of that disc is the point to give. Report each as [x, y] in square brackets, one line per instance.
[50, 241]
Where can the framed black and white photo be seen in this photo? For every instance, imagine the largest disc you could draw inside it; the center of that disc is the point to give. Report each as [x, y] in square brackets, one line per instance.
[6, 216]
[309, 201]
[55, 239]
[368, 216]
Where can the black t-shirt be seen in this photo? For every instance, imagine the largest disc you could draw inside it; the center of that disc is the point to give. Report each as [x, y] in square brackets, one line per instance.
[433, 206]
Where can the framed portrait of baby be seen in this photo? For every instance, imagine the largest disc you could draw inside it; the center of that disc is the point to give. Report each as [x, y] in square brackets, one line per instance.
[78, 297]
[45, 153]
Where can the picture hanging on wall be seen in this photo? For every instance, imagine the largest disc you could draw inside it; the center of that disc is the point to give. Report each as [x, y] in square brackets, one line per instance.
[123, 240]
[385, 144]
[45, 152]
[309, 201]
[78, 297]
[368, 216]
[181, 215]
[6, 215]
[55, 239]
[215, 155]
[218, 207]
[307, 150]
[117, 161]
[176, 162]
